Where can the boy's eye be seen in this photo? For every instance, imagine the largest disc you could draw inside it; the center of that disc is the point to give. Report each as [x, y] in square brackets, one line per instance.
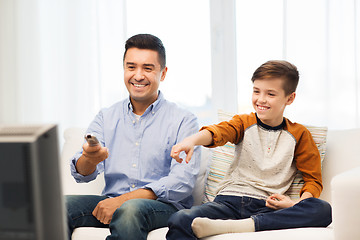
[131, 67]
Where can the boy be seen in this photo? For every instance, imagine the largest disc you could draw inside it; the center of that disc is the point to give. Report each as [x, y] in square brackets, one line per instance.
[269, 150]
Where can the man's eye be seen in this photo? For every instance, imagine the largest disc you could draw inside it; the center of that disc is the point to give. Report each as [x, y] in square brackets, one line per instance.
[271, 94]
[131, 67]
[148, 69]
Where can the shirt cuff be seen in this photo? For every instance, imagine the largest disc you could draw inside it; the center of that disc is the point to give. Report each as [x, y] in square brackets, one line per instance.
[157, 189]
[79, 177]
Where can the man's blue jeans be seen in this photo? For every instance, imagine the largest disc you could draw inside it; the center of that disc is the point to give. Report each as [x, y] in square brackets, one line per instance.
[133, 220]
[311, 212]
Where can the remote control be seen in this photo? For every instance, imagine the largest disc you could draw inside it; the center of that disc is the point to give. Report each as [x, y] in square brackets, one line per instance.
[91, 139]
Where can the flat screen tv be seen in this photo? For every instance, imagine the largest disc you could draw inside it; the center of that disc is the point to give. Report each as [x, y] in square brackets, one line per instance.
[31, 199]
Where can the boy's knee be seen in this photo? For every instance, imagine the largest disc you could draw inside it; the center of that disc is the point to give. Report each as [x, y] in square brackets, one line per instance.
[321, 209]
[318, 205]
[179, 217]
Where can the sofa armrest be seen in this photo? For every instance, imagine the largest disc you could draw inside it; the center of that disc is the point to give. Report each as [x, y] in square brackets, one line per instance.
[345, 199]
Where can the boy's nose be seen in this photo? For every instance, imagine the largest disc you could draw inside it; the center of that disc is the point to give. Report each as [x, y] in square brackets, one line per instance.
[262, 99]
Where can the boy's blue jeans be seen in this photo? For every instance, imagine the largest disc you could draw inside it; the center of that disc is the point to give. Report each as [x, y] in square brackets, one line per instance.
[311, 212]
[133, 220]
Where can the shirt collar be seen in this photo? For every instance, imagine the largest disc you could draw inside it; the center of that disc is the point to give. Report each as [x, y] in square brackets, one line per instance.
[263, 125]
[154, 107]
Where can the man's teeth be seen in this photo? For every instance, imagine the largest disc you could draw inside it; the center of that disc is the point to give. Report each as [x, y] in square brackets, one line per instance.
[139, 85]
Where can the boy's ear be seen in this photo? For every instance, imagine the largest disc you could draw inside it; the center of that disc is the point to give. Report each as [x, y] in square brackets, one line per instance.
[291, 98]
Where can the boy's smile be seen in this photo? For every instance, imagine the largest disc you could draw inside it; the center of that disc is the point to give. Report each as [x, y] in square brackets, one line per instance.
[269, 100]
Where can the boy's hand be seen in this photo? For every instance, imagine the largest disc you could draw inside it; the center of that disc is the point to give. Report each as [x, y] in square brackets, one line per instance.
[278, 201]
[187, 146]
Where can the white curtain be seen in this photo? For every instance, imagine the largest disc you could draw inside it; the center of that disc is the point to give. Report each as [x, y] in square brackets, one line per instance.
[60, 60]
[322, 38]
[328, 55]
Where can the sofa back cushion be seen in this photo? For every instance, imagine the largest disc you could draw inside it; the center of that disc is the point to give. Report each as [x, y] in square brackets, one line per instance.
[341, 155]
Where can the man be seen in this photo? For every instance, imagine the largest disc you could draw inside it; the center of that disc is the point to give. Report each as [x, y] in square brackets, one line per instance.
[144, 186]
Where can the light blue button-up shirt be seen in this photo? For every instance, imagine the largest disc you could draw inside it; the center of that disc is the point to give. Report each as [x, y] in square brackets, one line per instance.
[139, 151]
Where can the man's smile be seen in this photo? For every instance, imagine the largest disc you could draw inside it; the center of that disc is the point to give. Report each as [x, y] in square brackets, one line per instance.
[138, 85]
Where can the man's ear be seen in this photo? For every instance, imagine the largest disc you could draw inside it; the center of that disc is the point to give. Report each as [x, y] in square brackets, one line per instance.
[163, 74]
[290, 98]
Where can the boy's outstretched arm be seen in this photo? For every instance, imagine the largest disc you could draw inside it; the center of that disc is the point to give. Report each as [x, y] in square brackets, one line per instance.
[187, 145]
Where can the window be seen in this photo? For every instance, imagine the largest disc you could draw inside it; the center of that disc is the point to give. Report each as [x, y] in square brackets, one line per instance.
[184, 28]
[321, 39]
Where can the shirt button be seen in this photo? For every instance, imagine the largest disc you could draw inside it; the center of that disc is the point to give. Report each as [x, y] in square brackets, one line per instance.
[137, 144]
[134, 121]
[133, 185]
[134, 165]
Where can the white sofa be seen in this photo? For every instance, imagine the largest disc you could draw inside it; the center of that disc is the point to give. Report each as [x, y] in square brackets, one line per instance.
[341, 179]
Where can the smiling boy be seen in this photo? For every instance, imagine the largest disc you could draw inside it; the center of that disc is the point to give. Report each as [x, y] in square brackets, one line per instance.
[269, 150]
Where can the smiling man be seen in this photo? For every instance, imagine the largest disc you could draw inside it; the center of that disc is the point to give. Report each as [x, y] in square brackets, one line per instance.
[144, 186]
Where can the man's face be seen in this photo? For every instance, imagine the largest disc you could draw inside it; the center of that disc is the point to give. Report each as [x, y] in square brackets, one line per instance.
[142, 75]
[269, 100]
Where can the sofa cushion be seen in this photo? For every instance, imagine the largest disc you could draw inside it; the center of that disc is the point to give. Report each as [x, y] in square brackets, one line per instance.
[91, 233]
[222, 157]
[319, 135]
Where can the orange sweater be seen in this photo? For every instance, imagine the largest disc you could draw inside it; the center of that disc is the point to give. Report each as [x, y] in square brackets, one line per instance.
[266, 159]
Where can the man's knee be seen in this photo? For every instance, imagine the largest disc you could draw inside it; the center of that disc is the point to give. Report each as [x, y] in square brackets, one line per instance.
[71, 205]
[131, 213]
[130, 208]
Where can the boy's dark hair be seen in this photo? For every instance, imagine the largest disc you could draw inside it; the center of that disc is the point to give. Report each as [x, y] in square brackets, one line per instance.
[147, 41]
[279, 69]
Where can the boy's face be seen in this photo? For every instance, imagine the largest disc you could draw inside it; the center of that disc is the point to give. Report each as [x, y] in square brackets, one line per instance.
[269, 100]
[143, 74]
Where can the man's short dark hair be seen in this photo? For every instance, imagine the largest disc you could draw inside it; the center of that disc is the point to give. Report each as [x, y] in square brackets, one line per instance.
[147, 41]
[279, 69]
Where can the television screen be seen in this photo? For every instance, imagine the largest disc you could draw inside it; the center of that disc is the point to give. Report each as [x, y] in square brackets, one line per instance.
[31, 199]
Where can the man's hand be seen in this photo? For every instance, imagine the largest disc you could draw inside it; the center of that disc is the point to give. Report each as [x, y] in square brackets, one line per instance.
[95, 154]
[106, 208]
[187, 146]
[278, 201]
[91, 157]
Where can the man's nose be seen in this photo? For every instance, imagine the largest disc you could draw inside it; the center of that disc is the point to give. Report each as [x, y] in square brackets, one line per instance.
[139, 75]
